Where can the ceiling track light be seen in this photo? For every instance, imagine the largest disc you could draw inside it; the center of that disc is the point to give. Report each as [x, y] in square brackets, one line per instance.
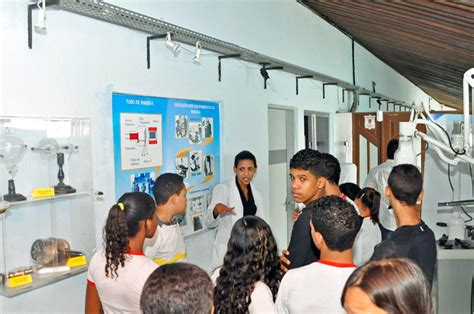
[197, 54]
[40, 26]
[174, 46]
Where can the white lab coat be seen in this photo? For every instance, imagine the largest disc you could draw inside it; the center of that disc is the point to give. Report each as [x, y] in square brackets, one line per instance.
[377, 179]
[227, 193]
[367, 238]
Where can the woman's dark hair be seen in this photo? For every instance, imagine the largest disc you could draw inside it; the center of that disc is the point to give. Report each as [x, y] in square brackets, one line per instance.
[251, 256]
[122, 223]
[397, 286]
[371, 198]
[245, 155]
[350, 190]
[177, 288]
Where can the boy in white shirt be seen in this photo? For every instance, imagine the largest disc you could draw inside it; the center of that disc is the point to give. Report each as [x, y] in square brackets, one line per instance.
[167, 246]
[317, 287]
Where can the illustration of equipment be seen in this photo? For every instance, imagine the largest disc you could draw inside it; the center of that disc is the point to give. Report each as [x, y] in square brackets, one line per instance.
[52, 252]
[12, 150]
[149, 137]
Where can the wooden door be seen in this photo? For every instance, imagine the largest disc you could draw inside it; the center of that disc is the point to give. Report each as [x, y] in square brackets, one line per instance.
[372, 144]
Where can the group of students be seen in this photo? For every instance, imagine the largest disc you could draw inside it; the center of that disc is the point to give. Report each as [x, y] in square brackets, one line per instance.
[332, 234]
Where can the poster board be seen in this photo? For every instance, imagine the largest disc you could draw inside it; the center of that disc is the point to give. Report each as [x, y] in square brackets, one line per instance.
[155, 135]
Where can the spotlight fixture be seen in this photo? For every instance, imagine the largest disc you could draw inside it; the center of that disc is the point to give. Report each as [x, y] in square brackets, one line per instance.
[265, 76]
[264, 72]
[174, 46]
[40, 26]
[197, 56]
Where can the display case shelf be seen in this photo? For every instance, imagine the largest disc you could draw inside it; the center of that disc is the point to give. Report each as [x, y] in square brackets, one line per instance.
[46, 231]
[41, 281]
[48, 199]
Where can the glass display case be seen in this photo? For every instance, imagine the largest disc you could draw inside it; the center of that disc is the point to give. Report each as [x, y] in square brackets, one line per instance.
[46, 216]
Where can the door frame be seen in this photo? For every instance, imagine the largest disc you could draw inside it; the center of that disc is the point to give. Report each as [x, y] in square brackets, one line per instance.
[292, 138]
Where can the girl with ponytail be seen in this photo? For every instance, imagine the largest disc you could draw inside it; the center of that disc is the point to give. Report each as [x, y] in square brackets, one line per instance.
[117, 273]
[368, 202]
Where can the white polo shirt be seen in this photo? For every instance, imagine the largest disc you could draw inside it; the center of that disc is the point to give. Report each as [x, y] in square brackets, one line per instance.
[120, 294]
[167, 245]
[314, 288]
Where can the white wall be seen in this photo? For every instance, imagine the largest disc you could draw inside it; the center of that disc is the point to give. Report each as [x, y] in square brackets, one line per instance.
[73, 69]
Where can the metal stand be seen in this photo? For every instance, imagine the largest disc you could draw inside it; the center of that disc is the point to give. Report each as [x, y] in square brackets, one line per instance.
[61, 187]
[12, 196]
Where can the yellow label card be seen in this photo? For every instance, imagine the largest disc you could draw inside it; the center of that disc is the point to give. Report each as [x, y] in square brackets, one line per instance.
[43, 192]
[76, 261]
[20, 280]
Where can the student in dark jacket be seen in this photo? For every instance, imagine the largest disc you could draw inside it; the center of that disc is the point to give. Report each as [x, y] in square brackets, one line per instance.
[312, 175]
[412, 239]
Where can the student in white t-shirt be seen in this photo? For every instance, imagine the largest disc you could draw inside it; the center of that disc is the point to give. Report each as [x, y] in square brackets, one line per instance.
[249, 278]
[317, 287]
[117, 274]
[368, 202]
[167, 246]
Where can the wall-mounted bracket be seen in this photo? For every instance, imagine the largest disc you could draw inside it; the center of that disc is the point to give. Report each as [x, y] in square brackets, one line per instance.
[301, 77]
[219, 70]
[390, 102]
[324, 88]
[343, 90]
[148, 39]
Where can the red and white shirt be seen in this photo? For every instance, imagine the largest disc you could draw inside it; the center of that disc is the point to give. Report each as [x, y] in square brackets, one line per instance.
[120, 294]
[314, 288]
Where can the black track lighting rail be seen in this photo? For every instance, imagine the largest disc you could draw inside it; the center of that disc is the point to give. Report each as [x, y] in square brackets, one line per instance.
[110, 13]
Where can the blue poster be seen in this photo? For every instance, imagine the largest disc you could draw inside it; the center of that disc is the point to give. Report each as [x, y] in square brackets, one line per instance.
[155, 135]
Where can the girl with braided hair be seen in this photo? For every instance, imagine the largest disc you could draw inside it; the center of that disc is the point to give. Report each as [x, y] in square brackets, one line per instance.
[249, 278]
[117, 274]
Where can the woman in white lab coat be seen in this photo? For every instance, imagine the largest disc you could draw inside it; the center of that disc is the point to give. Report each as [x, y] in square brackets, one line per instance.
[232, 200]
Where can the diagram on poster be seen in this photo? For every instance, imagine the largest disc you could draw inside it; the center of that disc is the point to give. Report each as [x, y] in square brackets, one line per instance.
[141, 144]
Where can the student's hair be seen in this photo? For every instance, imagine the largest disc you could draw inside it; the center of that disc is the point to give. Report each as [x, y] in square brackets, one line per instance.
[371, 198]
[397, 286]
[350, 190]
[166, 185]
[330, 168]
[251, 256]
[177, 288]
[306, 159]
[123, 222]
[392, 147]
[336, 220]
[406, 183]
[244, 155]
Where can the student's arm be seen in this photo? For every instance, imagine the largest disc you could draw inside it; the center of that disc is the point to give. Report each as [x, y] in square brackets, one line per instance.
[300, 242]
[93, 305]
